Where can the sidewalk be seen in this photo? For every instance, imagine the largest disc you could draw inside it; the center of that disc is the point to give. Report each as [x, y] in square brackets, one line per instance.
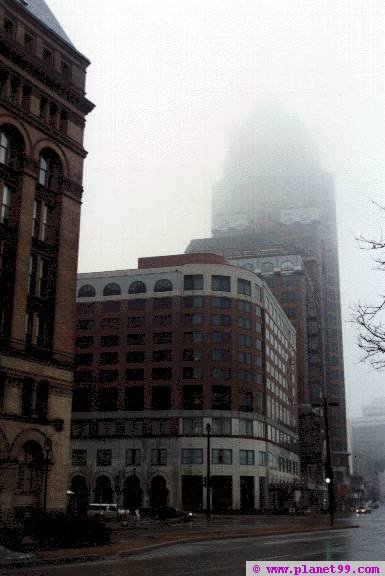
[153, 534]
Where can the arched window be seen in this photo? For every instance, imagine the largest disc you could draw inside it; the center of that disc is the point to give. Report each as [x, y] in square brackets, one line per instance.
[86, 291]
[103, 490]
[11, 145]
[112, 289]
[267, 268]
[50, 168]
[163, 285]
[137, 287]
[30, 469]
[287, 266]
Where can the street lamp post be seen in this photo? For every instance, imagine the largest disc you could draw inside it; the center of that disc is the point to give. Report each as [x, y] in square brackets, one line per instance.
[48, 450]
[208, 474]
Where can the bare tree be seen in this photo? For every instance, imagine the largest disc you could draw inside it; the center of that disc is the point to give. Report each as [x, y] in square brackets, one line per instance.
[370, 319]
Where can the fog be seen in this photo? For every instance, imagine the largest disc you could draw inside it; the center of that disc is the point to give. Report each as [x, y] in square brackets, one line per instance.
[173, 80]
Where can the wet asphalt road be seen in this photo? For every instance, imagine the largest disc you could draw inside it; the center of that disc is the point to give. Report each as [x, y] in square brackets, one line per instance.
[227, 557]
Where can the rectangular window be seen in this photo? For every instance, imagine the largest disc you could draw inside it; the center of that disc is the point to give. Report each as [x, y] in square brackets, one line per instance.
[161, 373]
[111, 306]
[221, 373]
[193, 301]
[193, 282]
[136, 356]
[192, 456]
[134, 398]
[108, 358]
[222, 456]
[244, 323]
[221, 355]
[107, 399]
[79, 458]
[220, 283]
[246, 457]
[220, 337]
[220, 320]
[221, 426]
[221, 398]
[245, 427]
[244, 287]
[246, 401]
[110, 340]
[5, 205]
[84, 341]
[193, 319]
[108, 375]
[244, 340]
[162, 338]
[136, 339]
[133, 457]
[161, 398]
[192, 337]
[192, 397]
[103, 457]
[244, 306]
[244, 375]
[262, 458]
[192, 372]
[162, 303]
[244, 357]
[135, 321]
[192, 426]
[110, 323]
[136, 304]
[85, 359]
[192, 354]
[218, 302]
[81, 400]
[159, 457]
[161, 355]
[135, 374]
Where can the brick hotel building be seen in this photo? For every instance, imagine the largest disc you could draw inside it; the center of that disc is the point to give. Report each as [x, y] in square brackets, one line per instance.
[163, 350]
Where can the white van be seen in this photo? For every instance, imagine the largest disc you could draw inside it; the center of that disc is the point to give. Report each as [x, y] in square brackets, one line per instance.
[108, 511]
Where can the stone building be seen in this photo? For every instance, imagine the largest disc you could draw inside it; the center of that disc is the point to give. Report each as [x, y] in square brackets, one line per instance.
[164, 350]
[42, 117]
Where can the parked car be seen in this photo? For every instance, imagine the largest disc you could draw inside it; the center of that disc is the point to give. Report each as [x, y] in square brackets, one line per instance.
[108, 511]
[171, 513]
[363, 510]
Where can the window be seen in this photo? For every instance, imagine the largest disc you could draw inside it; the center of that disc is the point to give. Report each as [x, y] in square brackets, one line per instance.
[287, 297]
[162, 338]
[133, 374]
[161, 355]
[135, 321]
[47, 56]
[159, 457]
[192, 372]
[262, 458]
[244, 306]
[110, 323]
[137, 287]
[244, 357]
[192, 426]
[287, 281]
[136, 339]
[221, 355]
[162, 303]
[79, 457]
[258, 402]
[4, 147]
[65, 71]
[193, 282]
[108, 358]
[219, 302]
[220, 320]
[133, 457]
[103, 457]
[244, 323]
[162, 320]
[192, 397]
[221, 373]
[163, 285]
[107, 399]
[192, 355]
[244, 375]
[161, 398]
[221, 398]
[84, 359]
[110, 340]
[192, 337]
[193, 301]
[86, 291]
[222, 456]
[245, 427]
[220, 283]
[84, 341]
[267, 268]
[192, 456]
[9, 27]
[111, 306]
[136, 356]
[193, 319]
[50, 168]
[137, 304]
[244, 340]
[81, 400]
[6, 199]
[220, 337]
[246, 457]
[221, 426]
[244, 287]
[134, 398]
[245, 401]
[112, 289]
[159, 427]
[163, 373]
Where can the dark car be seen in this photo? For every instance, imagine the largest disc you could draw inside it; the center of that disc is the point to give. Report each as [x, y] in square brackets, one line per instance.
[171, 513]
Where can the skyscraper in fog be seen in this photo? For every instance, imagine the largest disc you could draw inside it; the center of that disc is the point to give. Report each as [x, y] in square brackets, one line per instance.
[273, 211]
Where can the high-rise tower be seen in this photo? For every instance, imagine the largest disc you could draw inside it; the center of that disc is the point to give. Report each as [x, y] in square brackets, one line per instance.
[275, 199]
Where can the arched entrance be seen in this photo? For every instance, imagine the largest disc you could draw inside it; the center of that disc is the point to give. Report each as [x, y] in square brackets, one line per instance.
[103, 490]
[30, 472]
[159, 492]
[82, 495]
[132, 493]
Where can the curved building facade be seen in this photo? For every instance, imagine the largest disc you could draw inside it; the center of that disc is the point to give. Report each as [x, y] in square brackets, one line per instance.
[165, 350]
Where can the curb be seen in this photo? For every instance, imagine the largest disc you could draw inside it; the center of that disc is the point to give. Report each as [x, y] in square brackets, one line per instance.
[204, 537]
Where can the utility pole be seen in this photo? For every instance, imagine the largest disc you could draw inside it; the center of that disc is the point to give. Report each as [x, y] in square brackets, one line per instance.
[208, 474]
[48, 450]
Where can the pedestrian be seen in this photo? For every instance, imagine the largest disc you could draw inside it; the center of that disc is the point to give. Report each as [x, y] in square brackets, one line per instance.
[125, 516]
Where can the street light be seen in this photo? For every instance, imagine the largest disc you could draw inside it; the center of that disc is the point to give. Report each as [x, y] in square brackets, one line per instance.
[48, 450]
[208, 474]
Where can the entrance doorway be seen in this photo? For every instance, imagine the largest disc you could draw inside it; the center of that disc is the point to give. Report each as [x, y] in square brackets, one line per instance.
[247, 493]
[103, 490]
[132, 493]
[192, 493]
[159, 492]
[222, 493]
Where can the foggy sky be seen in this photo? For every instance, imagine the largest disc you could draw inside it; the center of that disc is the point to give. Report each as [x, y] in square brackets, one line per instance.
[173, 79]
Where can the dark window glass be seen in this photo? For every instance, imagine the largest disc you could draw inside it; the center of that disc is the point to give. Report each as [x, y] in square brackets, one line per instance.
[159, 457]
[245, 401]
[112, 289]
[193, 319]
[220, 320]
[84, 341]
[111, 306]
[108, 358]
[136, 356]
[192, 354]
[161, 398]
[222, 456]
[110, 323]
[85, 359]
[136, 304]
[192, 372]
[221, 398]
[161, 355]
[192, 456]
[85, 324]
[133, 456]
[135, 374]
[86, 291]
[192, 337]
[163, 285]
[81, 400]
[162, 303]
[162, 338]
[103, 457]
[244, 323]
[219, 302]
[136, 339]
[221, 373]
[244, 306]
[220, 283]
[220, 337]
[110, 340]
[79, 458]
[134, 398]
[193, 301]
[108, 375]
[135, 321]
[193, 282]
[244, 287]
[164, 373]
[107, 399]
[192, 397]
[137, 287]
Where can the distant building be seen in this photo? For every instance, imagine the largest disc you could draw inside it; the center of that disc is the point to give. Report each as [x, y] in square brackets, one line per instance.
[368, 448]
[164, 350]
[274, 204]
[42, 116]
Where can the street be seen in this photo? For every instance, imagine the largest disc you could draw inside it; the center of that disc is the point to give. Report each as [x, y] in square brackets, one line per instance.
[366, 542]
